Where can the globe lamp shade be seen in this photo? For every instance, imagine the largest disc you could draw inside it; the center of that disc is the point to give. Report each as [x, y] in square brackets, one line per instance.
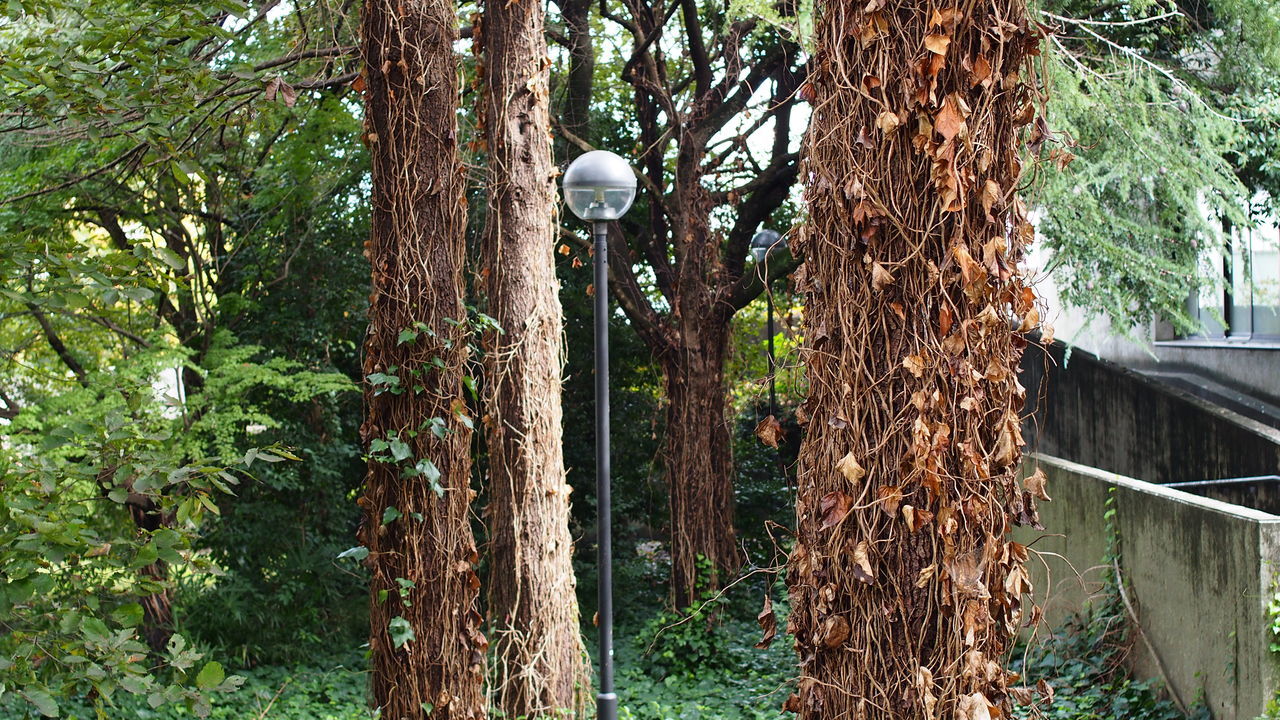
[600, 186]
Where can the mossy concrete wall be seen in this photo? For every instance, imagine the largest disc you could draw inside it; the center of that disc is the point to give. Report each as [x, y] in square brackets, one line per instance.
[1200, 573]
[1106, 416]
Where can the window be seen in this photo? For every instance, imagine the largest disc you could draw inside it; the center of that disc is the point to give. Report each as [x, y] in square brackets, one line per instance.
[1247, 304]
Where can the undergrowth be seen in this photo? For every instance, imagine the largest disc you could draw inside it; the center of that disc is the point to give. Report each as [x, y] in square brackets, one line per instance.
[706, 667]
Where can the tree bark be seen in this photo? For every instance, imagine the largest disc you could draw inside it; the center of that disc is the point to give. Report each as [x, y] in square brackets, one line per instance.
[699, 463]
[427, 649]
[539, 655]
[906, 591]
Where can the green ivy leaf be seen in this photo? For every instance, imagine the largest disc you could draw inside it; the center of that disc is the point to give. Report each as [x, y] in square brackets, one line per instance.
[357, 553]
[401, 632]
[400, 450]
[211, 676]
[390, 515]
[43, 702]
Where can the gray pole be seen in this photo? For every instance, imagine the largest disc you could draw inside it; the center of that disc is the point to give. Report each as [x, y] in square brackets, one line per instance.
[773, 392]
[606, 699]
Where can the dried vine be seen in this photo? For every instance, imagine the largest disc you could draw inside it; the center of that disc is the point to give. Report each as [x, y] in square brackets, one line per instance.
[428, 651]
[906, 590]
[540, 665]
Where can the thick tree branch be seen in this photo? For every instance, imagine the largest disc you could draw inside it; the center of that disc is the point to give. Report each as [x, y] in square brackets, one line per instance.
[697, 48]
[55, 342]
[625, 288]
[11, 408]
[751, 284]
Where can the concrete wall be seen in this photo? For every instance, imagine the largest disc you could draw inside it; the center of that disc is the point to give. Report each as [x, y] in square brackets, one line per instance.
[1200, 573]
[1106, 416]
[1252, 366]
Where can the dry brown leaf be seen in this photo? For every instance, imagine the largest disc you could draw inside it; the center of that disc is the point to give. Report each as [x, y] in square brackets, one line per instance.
[949, 122]
[990, 195]
[890, 497]
[888, 121]
[937, 44]
[1045, 690]
[768, 623]
[862, 564]
[915, 364]
[880, 277]
[1022, 695]
[834, 506]
[563, 249]
[1046, 333]
[981, 73]
[943, 16]
[945, 318]
[769, 431]
[970, 269]
[925, 575]
[849, 467]
[1036, 485]
[1030, 320]
[834, 631]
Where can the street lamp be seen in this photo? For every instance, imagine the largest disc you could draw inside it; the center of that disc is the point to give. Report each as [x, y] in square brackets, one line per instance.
[599, 187]
[764, 244]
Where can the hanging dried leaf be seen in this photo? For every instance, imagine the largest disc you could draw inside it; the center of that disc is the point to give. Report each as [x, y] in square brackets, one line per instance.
[981, 73]
[915, 364]
[949, 122]
[880, 277]
[1046, 334]
[769, 431]
[768, 623]
[888, 121]
[1022, 695]
[1036, 485]
[834, 631]
[849, 467]
[937, 44]
[833, 507]
[944, 17]
[862, 564]
[890, 497]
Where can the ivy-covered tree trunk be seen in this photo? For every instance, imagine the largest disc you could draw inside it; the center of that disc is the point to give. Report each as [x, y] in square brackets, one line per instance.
[698, 456]
[906, 591]
[689, 89]
[539, 658]
[427, 648]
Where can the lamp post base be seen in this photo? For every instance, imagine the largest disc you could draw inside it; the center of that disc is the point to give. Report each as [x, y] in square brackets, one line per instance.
[607, 706]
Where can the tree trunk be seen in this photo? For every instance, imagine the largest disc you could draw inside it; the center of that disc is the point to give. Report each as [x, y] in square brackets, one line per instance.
[699, 464]
[427, 649]
[906, 592]
[540, 669]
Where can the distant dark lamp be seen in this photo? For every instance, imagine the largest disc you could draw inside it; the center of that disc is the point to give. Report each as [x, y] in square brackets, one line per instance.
[765, 243]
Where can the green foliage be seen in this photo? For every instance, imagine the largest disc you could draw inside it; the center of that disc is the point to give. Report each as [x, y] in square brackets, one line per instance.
[323, 687]
[1084, 663]
[73, 468]
[1166, 109]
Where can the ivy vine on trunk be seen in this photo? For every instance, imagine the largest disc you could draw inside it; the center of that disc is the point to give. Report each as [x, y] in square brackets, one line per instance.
[906, 591]
[425, 638]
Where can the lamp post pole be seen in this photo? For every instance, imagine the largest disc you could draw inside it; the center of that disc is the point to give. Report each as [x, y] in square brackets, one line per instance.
[763, 245]
[606, 699]
[599, 187]
[773, 367]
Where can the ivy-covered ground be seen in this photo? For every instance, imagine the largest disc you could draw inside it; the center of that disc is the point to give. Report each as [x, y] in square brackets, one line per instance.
[699, 669]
